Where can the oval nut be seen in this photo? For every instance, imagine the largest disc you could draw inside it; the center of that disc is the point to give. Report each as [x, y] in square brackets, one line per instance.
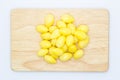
[55, 34]
[83, 28]
[51, 52]
[42, 52]
[75, 39]
[49, 59]
[67, 18]
[66, 57]
[80, 35]
[49, 20]
[78, 54]
[41, 28]
[45, 44]
[65, 31]
[46, 36]
[53, 42]
[55, 56]
[64, 48]
[72, 48]
[69, 40]
[52, 28]
[72, 27]
[83, 43]
[56, 51]
[61, 24]
[60, 41]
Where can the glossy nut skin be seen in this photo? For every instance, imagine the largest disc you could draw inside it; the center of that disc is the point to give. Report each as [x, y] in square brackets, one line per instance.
[67, 18]
[80, 35]
[51, 50]
[55, 56]
[49, 59]
[75, 39]
[53, 42]
[52, 28]
[69, 40]
[46, 36]
[65, 31]
[55, 34]
[78, 54]
[83, 43]
[83, 28]
[45, 44]
[65, 57]
[56, 51]
[72, 27]
[61, 24]
[72, 48]
[42, 52]
[41, 28]
[60, 41]
[65, 48]
[49, 20]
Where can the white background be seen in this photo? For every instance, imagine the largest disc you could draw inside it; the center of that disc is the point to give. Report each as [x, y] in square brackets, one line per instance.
[114, 48]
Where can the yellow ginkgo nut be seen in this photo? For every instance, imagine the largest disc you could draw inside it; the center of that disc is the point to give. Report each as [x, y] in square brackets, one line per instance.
[55, 56]
[75, 39]
[66, 57]
[69, 40]
[72, 27]
[46, 36]
[41, 28]
[67, 18]
[52, 28]
[53, 42]
[45, 44]
[42, 52]
[56, 51]
[83, 43]
[49, 59]
[60, 41]
[65, 31]
[55, 34]
[80, 35]
[65, 48]
[61, 24]
[78, 54]
[72, 48]
[49, 20]
[83, 28]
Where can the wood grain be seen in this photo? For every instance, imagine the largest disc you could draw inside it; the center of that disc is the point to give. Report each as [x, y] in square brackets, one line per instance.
[25, 40]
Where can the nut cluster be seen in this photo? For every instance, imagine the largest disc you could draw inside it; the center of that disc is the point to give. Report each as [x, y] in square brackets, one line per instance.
[63, 40]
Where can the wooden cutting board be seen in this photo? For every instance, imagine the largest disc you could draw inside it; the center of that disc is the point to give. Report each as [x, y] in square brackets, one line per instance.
[25, 40]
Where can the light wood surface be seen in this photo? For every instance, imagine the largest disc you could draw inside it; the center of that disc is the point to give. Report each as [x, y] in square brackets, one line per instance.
[25, 40]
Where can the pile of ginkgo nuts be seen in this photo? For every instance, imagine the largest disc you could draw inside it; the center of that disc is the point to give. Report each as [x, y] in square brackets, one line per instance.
[63, 40]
